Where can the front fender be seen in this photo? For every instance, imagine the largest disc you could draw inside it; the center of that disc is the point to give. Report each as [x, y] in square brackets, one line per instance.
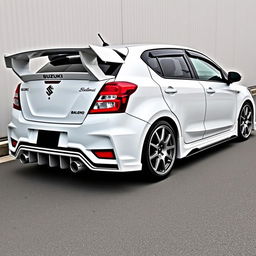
[243, 96]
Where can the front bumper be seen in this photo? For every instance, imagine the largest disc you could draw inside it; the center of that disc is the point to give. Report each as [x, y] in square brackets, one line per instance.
[122, 133]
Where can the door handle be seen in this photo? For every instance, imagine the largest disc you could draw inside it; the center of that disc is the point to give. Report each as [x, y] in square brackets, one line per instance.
[210, 90]
[170, 90]
[235, 91]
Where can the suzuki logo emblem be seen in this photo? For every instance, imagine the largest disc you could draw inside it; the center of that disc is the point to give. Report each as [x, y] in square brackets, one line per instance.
[49, 91]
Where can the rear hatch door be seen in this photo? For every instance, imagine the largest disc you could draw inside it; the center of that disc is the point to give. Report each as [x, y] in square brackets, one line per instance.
[65, 101]
[64, 89]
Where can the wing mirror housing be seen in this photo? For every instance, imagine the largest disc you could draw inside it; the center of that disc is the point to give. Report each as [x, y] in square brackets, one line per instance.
[233, 77]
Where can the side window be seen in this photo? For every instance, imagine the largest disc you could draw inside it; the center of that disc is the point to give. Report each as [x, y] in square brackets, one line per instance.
[153, 63]
[206, 71]
[174, 67]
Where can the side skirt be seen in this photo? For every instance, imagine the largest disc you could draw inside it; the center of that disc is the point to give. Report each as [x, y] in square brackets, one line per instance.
[198, 150]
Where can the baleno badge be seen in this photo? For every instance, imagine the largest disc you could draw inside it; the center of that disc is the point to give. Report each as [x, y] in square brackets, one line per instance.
[82, 89]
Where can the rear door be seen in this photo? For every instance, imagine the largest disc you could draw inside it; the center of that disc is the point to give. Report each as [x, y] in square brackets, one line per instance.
[184, 95]
[221, 99]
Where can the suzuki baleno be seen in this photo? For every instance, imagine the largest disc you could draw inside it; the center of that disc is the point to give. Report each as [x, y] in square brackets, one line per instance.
[124, 108]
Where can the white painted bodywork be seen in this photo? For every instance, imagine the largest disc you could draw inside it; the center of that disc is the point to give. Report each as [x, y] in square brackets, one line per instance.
[201, 119]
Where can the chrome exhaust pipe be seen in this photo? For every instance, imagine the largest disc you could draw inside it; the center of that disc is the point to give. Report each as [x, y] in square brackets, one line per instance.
[76, 166]
[24, 158]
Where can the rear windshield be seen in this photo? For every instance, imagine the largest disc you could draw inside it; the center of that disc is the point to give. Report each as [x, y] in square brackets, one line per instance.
[74, 64]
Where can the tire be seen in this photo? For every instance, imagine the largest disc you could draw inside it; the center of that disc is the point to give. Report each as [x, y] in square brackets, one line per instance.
[245, 120]
[159, 151]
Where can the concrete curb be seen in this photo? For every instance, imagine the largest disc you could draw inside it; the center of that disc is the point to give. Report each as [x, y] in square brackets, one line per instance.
[4, 148]
[5, 159]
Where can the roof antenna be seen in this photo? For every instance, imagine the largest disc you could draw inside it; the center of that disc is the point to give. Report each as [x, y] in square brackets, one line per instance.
[104, 43]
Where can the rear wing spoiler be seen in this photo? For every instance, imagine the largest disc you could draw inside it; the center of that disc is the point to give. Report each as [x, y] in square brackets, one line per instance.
[19, 63]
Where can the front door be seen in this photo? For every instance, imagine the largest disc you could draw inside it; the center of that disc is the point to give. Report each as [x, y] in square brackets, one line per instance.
[220, 98]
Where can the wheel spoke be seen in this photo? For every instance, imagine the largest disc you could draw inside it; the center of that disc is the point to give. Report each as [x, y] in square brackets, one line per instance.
[158, 138]
[157, 163]
[169, 157]
[153, 156]
[249, 115]
[243, 129]
[170, 147]
[246, 131]
[163, 133]
[168, 138]
[153, 145]
[246, 110]
[163, 164]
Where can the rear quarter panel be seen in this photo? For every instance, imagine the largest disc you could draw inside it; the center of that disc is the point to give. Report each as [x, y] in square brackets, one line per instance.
[147, 100]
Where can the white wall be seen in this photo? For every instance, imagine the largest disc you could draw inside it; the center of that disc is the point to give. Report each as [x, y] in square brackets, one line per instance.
[32, 24]
[223, 29]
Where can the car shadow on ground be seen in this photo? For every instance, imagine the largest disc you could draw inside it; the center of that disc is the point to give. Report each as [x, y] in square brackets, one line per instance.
[182, 164]
[110, 180]
[86, 180]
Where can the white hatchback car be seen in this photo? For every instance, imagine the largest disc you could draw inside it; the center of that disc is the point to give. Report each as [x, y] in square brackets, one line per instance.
[124, 108]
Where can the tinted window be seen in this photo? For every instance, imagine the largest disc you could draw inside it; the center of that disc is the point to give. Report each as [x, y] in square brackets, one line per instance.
[206, 71]
[63, 65]
[74, 64]
[154, 64]
[174, 67]
[109, 68]
[168, 63]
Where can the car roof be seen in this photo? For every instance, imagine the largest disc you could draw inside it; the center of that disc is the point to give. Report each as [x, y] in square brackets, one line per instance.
[144, 47]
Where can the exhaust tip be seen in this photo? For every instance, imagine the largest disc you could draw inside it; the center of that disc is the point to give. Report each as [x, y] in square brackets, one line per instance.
[24, 159]
[76, 166]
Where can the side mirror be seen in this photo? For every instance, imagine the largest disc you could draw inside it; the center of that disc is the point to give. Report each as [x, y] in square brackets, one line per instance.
[233, 77]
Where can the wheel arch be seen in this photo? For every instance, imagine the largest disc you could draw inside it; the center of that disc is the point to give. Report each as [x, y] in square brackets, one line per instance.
[171, 122]
[168, 117]
[174, 124]
[249, 101]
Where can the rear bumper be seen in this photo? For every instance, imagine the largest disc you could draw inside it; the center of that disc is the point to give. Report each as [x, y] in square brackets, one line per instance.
[122, 133]
[59, 157]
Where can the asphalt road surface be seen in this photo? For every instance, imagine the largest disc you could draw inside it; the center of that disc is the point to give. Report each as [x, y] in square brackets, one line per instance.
[206, 207]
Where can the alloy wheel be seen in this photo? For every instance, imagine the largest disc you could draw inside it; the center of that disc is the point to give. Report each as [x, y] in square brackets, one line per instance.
[162, 149]
[245, 121]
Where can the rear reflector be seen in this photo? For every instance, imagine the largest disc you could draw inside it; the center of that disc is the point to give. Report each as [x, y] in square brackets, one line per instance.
[113, 98]
[106, 154]
[14, 142]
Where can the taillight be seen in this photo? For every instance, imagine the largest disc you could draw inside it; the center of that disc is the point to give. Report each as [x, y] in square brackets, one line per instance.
[16, 98]
[113, 97]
